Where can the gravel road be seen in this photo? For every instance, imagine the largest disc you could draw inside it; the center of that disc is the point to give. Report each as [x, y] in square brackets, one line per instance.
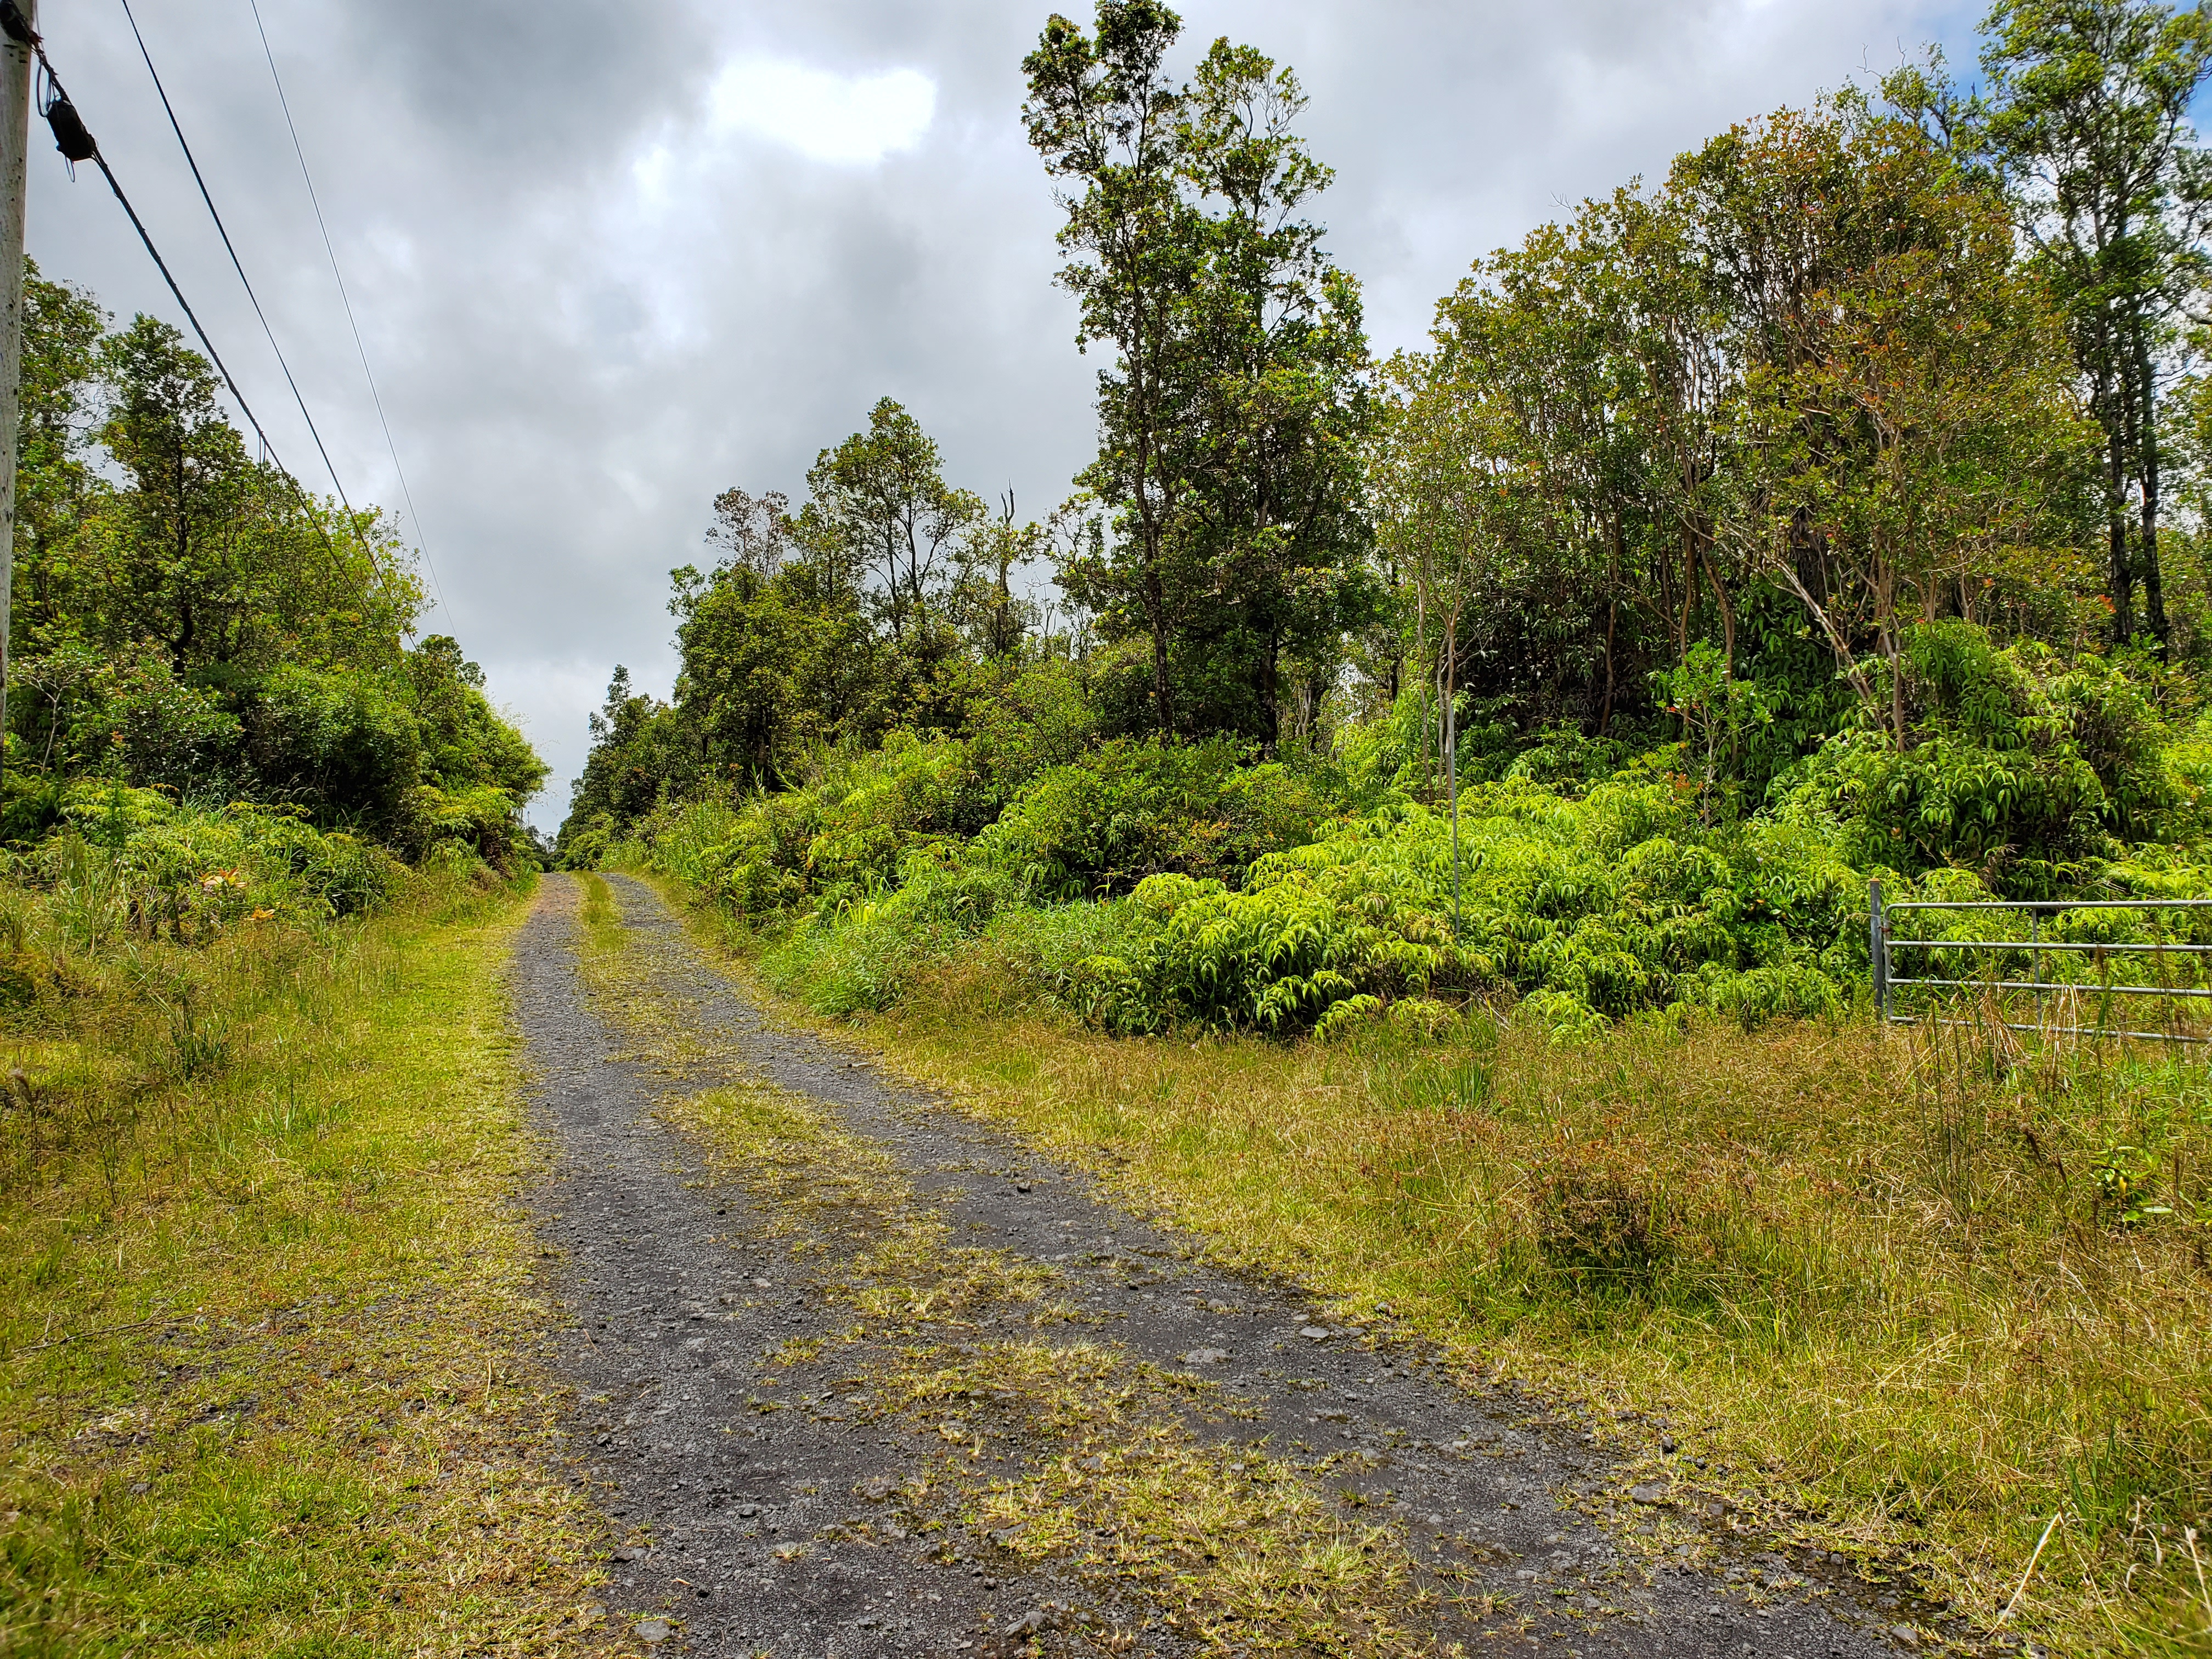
[760, 1501]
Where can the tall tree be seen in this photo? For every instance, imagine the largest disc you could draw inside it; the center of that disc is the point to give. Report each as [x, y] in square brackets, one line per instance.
[1284, 406]
[1108, 121]
[166, 430]
[996, 620]
[2084, 125]
[1903, 419]
[1231, 420]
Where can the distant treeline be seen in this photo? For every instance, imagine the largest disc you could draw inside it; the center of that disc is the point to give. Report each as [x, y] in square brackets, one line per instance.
[1695, 466]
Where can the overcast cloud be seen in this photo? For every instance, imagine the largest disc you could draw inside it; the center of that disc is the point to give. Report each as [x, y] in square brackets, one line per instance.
[609, 259]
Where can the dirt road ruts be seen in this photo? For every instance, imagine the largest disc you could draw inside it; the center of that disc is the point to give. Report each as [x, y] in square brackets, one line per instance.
[768, 1503]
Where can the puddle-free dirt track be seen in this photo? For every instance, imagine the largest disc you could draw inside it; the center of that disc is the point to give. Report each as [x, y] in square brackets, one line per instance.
[799, 1459]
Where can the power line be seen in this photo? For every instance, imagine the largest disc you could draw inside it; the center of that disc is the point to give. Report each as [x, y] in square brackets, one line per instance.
[192, 161]
[367, 373]
[77, 145]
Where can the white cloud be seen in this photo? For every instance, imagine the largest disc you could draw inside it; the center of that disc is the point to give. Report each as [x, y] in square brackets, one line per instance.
[848, 120]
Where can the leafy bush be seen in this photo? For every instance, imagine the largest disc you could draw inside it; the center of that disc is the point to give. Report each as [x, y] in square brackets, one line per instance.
[336, 740]
[840, 837]
[1094, 826]
[2031, 770]
[1128, 810]
[1603, 905]
[1589, 910]
[190, 872]
[1043, 717]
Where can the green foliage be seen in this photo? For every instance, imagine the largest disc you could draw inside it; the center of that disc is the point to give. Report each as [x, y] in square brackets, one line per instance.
[1043, 715]
[2020, 765]
[132, 860]
[335, 738]
[1733, 543]
[884, 604]
[1128, 810]
[1604, 906]
[840, 837]
[1230, 536]
[187, 620]
[1143, 886]
[2083, 129]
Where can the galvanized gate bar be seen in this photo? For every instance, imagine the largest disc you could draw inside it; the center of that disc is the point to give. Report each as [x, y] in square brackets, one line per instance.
[2051, 904]
[2050, 984]
[2041, 944]
[1886, 980]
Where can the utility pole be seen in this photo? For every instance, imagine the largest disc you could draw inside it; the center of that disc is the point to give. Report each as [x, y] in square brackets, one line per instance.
[15, 154]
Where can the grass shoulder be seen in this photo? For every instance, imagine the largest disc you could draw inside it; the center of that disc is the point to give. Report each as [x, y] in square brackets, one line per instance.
[267, 1309]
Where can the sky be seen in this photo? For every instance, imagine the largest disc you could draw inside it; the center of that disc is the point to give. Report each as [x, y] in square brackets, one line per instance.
[609, 260]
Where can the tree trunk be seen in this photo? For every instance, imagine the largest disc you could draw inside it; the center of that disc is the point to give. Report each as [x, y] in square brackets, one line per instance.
[1604, 708]
[1271, 717]
[1156, 618]
[2116, 517]
[2146, 564]
[1884, 600]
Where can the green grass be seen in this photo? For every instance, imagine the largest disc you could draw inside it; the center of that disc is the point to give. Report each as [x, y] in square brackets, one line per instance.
[267, 1317]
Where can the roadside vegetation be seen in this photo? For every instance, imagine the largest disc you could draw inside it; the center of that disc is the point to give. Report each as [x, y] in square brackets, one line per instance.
[1424, 836]
[266, 1382]
[261, 1283]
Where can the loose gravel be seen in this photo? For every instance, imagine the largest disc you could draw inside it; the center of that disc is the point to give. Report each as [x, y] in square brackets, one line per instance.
[739, 1525]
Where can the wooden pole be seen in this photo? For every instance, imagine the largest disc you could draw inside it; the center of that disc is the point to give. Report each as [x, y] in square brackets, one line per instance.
[15, 152]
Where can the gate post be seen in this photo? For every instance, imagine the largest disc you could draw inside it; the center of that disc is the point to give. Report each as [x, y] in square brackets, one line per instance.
[1878, 931]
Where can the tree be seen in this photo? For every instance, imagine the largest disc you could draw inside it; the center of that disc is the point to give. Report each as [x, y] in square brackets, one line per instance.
[188, 472]
[629, 764]
[1231, 423]
[774, 666]
[1903, 423]
[1284, 407]
[192, 620]
[880, 500]
[2084, 126]
[997, 623]
[56, 487]
[1104, 117]
[1808, 374]
[1550, 411]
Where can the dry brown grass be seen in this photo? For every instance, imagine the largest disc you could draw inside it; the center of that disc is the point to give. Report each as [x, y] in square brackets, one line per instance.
[1910, 1298]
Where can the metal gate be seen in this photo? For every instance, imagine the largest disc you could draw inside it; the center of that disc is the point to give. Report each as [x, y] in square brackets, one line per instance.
[2050, 988]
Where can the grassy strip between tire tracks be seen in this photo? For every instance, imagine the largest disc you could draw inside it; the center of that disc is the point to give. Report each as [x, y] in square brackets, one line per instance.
[1058, 1447]
[1904, 1302]
[266, 1385]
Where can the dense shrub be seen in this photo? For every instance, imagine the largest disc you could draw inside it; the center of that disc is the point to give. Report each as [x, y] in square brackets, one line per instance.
[135, 858]
[1128, 810]
[1142, 885]
[2029, 769]
[1607, 905]
[840, 837]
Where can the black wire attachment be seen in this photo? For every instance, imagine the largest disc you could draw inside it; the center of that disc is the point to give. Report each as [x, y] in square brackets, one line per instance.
[17, 26]
[76, 142]
[70, 136]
